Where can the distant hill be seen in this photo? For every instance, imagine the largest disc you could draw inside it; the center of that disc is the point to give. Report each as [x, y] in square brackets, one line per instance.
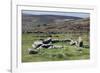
[54, 23]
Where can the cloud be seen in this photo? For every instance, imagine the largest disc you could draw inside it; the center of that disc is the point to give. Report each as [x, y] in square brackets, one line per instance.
[76, 14]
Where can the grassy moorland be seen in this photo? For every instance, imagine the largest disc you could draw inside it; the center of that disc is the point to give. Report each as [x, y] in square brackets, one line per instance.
[68, 52]
[35, 27]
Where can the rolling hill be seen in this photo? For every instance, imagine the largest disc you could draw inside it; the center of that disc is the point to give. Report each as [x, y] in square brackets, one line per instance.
[54, 23]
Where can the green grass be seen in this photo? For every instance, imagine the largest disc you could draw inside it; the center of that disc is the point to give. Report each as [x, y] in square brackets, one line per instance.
[66, 53]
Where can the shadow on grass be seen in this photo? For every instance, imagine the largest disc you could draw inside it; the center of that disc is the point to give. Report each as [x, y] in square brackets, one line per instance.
[86, 46]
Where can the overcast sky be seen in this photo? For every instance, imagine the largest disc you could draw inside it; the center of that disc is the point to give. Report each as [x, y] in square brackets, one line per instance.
[76, 14]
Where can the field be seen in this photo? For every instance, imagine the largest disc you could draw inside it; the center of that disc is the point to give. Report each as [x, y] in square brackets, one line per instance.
[68, 52]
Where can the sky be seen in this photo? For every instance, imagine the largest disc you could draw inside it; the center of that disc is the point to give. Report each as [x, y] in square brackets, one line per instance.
[76, 14]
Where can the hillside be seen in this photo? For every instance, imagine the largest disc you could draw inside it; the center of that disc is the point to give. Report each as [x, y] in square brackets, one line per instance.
[54, 23]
